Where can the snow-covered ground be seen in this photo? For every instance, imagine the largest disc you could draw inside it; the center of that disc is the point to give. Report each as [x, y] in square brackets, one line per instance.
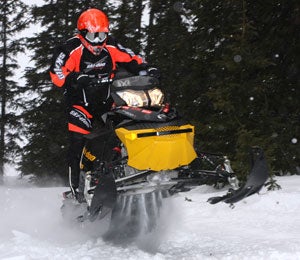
[265, 226]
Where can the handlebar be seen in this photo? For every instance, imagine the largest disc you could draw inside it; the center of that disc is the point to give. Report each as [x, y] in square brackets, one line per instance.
[135, 82]
[100, 81]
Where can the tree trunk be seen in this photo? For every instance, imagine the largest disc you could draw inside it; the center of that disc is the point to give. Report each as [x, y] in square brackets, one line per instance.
[3, 99]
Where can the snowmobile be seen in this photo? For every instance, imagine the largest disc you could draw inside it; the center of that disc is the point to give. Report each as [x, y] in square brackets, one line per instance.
[145, 147]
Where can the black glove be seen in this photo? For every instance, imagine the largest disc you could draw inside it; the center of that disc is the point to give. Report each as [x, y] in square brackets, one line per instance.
[78, 81]
[154, 72]
[83, 80]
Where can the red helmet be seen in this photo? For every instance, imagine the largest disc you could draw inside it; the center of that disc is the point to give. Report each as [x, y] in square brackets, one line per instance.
[93, 20]
[93, 25]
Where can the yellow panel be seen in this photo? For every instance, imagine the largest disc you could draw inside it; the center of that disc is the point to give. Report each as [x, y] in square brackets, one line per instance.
[159, 152]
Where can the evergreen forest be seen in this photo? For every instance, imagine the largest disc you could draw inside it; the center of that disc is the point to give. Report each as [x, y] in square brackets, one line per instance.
[230, 66]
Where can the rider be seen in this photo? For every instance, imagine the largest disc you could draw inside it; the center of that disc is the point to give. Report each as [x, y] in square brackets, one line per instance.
[90, 53]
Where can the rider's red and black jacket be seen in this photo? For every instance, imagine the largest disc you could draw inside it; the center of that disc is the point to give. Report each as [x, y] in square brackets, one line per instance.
[73, 58]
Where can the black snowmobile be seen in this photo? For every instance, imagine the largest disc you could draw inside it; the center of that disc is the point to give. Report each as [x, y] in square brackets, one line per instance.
[145, 147]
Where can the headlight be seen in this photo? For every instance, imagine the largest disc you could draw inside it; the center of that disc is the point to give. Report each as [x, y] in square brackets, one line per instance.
[142, 98]
[156, 96]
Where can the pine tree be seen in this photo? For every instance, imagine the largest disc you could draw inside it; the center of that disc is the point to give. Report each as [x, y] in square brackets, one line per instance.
[278, 26]
[127, 24]
[244, 82]
[168, 47]
[12, 22]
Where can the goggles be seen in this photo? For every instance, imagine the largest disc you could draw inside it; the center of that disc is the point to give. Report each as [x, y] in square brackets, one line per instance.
[97, 37]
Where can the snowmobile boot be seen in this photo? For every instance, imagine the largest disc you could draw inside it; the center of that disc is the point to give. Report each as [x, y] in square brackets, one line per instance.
[76, 191]
[80, 197]
[76, 181]
[80, 193]
[68, 195]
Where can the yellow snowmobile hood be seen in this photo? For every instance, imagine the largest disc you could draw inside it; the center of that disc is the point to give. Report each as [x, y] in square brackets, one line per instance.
[158, 149]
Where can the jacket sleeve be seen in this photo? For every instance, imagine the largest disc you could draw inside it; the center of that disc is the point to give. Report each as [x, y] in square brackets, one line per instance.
[125, 57]
[62, 65]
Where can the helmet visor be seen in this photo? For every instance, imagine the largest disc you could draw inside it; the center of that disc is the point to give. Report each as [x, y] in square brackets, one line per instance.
[97, 37]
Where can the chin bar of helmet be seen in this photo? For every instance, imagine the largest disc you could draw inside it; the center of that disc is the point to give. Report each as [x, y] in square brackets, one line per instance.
[96, 50]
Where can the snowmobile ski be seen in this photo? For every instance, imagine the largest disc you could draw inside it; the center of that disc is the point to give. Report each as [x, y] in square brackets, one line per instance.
[257, 177]
[104, 199]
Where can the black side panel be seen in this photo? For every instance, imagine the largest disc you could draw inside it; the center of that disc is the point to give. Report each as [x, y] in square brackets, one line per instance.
[98, 148]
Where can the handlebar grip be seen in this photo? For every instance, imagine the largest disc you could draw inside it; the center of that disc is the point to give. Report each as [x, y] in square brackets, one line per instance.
[100, 81]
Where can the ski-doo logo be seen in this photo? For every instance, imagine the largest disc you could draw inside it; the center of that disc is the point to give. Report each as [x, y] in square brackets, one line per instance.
[89, 155]
[97, 65]
[81, 117]
[58, 64]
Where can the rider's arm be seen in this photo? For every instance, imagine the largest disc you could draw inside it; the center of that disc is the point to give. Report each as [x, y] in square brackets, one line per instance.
[64, 62]
[125, 57]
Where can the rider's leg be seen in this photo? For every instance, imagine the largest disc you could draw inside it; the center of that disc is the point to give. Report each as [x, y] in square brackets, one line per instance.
[74, 156]
[79, 125]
